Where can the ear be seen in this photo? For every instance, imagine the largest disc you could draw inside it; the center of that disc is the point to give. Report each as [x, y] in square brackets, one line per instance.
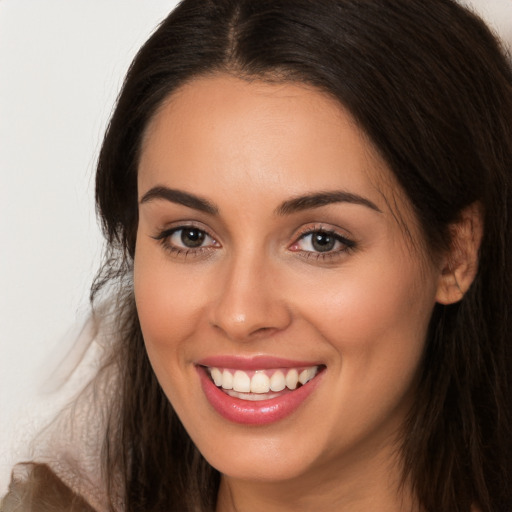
[460, 264]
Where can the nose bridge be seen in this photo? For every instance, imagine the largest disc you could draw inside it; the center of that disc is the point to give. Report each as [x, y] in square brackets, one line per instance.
[249, 301]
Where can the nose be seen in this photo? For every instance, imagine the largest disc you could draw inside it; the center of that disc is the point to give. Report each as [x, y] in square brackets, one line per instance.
[251, 302]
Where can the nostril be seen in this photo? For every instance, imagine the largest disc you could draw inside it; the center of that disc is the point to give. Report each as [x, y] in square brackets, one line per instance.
[264, 330]
[244, 333]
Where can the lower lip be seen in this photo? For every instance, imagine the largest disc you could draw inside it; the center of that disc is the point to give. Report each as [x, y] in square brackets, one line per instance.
[261, 412]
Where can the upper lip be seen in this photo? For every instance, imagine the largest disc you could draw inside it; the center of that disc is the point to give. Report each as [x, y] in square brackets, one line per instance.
[259, 362]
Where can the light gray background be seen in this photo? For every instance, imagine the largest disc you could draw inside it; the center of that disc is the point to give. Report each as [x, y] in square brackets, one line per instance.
[61, 66]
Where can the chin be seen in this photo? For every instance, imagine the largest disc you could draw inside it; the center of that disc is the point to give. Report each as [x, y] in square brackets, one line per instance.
[269, 454]
[266, 465]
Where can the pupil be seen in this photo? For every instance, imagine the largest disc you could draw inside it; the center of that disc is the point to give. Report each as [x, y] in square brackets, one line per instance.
[192, 237]
[323, 242]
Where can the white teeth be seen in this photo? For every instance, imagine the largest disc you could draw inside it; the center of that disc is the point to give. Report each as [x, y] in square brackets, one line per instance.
[261, 383]
[292, 379]
[227, 380]
[307, 374]
[217, 376]
[277, 381]
[241, 382]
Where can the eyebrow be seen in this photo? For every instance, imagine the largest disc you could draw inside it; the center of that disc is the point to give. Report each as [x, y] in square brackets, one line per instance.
[180, 197]
[320, 199]
[294, 205]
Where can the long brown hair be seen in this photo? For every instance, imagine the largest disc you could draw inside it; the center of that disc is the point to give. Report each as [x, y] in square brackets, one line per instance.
[430, 86]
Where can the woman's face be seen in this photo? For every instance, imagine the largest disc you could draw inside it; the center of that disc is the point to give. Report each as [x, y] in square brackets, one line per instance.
[268, 257]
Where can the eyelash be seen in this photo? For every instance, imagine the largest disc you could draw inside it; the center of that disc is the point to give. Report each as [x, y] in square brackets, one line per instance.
[164, 238]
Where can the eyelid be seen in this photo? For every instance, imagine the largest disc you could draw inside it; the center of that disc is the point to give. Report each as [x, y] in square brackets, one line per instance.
[324, 228]
[183, 224]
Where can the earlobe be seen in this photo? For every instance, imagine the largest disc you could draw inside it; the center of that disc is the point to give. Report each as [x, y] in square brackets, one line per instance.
[460, 264]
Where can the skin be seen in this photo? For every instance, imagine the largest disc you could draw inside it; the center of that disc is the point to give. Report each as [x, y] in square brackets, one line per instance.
[258, 287]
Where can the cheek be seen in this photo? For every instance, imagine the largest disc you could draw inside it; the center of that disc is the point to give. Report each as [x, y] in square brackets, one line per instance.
[390, 294]
[164, 292]
[375, 321]
[169, 306]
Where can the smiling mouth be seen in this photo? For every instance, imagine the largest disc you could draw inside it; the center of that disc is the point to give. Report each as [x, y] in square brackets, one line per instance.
[259, 385]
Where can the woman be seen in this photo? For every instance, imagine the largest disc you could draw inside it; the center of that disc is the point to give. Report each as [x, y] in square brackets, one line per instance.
[307, 209]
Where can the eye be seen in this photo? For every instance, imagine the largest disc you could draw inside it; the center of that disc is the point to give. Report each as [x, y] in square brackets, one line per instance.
[319, 241]
[186, 240]
[189, 238]
[322, 242]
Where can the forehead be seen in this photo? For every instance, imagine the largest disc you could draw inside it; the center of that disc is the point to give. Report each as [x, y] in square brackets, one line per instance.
[221, 135]
[222, 123]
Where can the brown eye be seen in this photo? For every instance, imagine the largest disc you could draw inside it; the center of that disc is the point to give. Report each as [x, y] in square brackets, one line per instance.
[186, 238]
[192, 237]
[187, 241]
[322, 242]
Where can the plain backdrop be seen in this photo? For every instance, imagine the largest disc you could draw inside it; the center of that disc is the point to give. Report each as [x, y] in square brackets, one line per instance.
[62, 63]
[61, 66]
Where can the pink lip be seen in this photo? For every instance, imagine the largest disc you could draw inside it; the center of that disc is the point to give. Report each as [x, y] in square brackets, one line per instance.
[253, 363]
[262, 412]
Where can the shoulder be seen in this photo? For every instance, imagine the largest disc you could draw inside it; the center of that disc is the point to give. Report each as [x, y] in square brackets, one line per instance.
[41, 491]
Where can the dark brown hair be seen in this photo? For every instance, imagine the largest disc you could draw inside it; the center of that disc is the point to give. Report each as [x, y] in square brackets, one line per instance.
[431, 88]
